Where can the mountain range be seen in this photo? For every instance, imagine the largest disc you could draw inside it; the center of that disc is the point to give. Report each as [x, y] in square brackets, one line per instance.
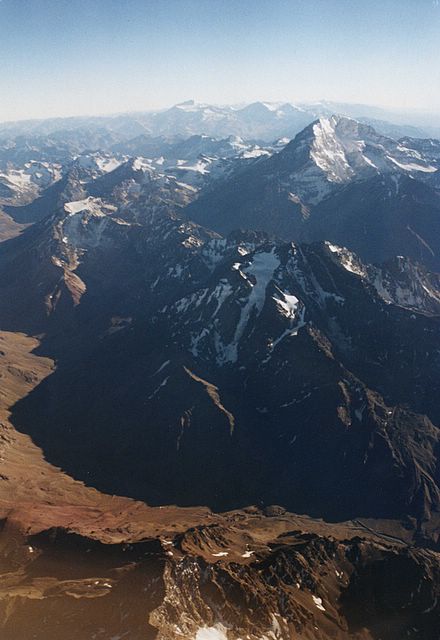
[258, 120]
[243, 322]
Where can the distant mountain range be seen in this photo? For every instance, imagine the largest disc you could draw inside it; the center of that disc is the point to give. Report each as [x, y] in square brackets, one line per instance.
[261, 121]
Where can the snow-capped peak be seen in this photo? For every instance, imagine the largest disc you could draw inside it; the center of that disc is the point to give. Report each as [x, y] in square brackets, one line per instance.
[345, 149]
[336, 150]
[328, 150]
[190, 105]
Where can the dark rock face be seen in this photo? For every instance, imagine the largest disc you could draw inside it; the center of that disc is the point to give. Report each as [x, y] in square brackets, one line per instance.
[393, 595]
[230, 371]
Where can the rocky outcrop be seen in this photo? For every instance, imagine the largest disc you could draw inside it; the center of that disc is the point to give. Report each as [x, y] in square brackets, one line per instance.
[246, 575]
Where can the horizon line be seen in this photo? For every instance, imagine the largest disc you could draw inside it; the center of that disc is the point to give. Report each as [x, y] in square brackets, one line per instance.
[237, 105]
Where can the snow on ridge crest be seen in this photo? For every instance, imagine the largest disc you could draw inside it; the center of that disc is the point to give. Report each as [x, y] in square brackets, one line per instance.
[90, 204]
[344, 148]
[347, 259]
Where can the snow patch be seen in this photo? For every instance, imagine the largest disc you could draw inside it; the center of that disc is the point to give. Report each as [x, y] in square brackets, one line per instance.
[162, 367]
[156, 391]
[218, 632]
[288, 306]
[412, 166]
[318, 603]
[261, 270]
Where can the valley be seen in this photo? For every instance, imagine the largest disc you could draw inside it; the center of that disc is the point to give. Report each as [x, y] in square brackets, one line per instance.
[219, 368]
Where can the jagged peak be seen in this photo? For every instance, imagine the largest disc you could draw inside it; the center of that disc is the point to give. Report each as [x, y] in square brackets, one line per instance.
[344, 149]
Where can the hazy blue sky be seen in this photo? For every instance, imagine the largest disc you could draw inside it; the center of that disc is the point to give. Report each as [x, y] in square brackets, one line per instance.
[68, 57]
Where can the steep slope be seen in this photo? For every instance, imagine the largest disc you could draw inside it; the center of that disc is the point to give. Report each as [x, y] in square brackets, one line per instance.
[297, 366]
[337, 180]
[113, 567]
[176, 365]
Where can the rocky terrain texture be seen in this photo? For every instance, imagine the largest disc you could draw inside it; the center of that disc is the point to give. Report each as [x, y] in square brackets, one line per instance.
[294, 365]
[87, 565]
[149, 348]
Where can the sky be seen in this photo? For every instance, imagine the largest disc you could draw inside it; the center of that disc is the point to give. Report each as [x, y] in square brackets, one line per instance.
[75, 57]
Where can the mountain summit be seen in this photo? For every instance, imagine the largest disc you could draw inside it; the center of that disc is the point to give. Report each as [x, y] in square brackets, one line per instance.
[337, 180]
